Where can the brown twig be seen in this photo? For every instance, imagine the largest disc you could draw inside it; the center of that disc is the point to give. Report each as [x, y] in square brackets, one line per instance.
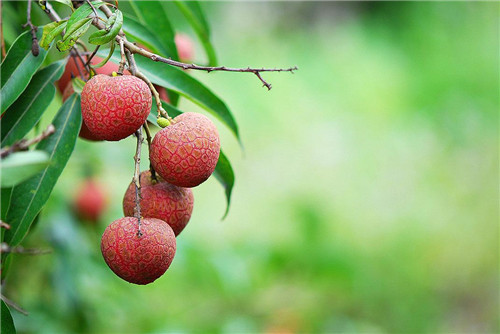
[4, 225]
[137, 180]
[51, 13]
[133, 69]
[134, 49]
[23, 144]
[5, 248]
[35, 48]
[13, 305]
[92, 56]
[121, 66]
[149, 140]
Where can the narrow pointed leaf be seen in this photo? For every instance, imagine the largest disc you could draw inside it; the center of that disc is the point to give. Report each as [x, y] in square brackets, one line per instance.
[18, 68]
[22, 116]
[195, 16]
[225, 175]
[7, 322]
[82, 12]
[113, 26]
[72, 34]
[141, 34]
[153, 11]
[51, 31]
[20, 166]
[30, 196]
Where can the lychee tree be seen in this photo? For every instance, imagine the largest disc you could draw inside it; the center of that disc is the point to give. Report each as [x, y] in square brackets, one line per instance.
[122, 69]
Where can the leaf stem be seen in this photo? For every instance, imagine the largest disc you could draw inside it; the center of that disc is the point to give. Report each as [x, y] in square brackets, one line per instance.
[23, 144]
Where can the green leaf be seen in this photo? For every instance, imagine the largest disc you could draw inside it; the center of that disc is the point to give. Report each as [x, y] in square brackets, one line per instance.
[142, 35]
[20, 166]
[18, 68]
[29, 197]
[113, 26]
[177, 80]
[5, 199]
[73, 33]
[193, 13]
[7, 322]
[225, 175]
[50, 31]
[67, 3]
[153, 11]
[77, 85]
[82, 12]
[22, 116]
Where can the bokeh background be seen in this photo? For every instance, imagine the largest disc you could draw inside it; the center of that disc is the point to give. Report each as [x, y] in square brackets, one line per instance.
[366, 195]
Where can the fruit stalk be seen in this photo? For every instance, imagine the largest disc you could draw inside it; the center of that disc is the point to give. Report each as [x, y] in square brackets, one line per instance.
[135, 71]
[149, 139]
[137, 180]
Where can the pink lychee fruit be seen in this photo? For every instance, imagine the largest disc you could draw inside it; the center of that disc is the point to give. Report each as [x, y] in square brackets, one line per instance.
[113, 108]
[138, 258]
[186, 152]
[161, 200]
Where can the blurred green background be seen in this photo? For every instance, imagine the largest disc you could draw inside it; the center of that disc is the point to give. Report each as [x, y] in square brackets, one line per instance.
[366, 196]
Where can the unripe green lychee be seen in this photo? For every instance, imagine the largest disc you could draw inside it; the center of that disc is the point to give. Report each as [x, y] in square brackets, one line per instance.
[138, 259]
[185, 153]
[161, 200]
[115, 107]
[162, 122]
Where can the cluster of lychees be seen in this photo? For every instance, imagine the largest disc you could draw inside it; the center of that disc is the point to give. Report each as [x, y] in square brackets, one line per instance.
[183, 154]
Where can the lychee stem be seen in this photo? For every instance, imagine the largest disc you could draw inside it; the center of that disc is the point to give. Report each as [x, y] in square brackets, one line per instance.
[149, 139]
[137, 180]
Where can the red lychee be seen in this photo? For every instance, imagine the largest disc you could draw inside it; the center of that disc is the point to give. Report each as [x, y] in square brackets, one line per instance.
[84, 130]
[115, 107]
[90, 200]
[161, 200]
[185, 153]
[138, 258]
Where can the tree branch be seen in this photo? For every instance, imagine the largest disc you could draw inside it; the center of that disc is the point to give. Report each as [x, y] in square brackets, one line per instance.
[35, 48]
[13, 305]
[23, 144]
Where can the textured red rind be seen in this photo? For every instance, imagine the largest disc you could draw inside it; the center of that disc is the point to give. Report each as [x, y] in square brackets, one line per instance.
[90, 201]
[138, 259]
[113, 108]
[186, 152]
[84, 130]
[161, 200]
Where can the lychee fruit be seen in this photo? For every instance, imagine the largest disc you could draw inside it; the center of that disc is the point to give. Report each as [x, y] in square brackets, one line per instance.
[138, 258]
[186, 152]
[84, 130]
[90, 200]
[161, 200]
[113, 108]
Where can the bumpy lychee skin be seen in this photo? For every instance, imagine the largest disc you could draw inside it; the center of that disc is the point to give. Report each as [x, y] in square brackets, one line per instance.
[84, 130]
[185, 153]
[138, 259]
[161, 200]
[115, 107]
